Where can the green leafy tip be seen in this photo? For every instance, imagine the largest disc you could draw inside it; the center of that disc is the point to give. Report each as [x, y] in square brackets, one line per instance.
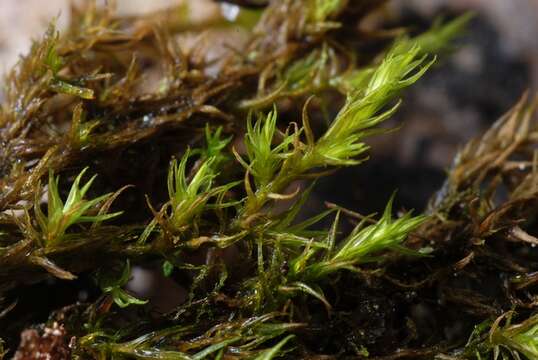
[364, 107]
[441, 35]
[265, 159]
[189, 198]
[362, 245]
[113, 287]
[60, 216]
[214, 145]
[504, 341]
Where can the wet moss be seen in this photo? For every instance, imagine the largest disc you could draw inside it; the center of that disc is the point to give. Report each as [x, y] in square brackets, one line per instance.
[204, 168]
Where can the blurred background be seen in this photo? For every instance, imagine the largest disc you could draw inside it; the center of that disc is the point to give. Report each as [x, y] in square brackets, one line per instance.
[489, 69]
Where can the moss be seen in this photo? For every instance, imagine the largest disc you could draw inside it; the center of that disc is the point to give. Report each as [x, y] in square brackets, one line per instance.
[224, 222]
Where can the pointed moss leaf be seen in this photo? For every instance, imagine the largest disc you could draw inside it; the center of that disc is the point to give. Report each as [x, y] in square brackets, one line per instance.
[63, 87]
[275, 351]
[305, 288]
[214, 348]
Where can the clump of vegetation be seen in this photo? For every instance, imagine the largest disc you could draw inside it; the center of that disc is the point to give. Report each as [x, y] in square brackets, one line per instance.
[206, 164]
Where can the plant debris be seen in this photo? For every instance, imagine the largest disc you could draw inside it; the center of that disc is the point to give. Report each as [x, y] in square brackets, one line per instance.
[50, 344]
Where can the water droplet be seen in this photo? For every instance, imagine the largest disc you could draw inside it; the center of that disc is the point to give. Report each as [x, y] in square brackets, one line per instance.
[146, 120]
[229, 11]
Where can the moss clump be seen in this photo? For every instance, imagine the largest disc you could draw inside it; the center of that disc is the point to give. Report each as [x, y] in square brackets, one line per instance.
[204, 167]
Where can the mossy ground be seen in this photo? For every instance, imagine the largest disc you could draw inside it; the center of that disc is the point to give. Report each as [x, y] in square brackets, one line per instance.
[203, 170]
